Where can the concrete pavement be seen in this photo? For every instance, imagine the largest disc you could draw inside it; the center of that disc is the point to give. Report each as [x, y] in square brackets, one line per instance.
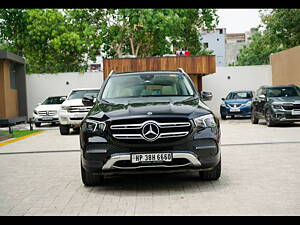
[260, 176]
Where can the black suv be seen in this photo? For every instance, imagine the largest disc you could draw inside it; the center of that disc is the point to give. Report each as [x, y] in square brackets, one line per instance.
[149, 122]
[276, 104]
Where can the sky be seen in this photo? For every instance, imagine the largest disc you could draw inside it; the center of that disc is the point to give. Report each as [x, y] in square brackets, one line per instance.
[238, 20]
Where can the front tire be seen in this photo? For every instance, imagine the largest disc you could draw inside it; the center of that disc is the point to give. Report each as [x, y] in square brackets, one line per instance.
[211, 175]
[90, 179]
[270, 122]
[37, 124]
[64, 129]
[254, 119]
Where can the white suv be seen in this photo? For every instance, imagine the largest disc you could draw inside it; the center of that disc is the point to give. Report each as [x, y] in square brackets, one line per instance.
[46, 112]
[72, 111]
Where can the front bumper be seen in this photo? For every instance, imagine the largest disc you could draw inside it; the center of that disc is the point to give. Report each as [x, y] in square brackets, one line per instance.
[284, 116]
[243, 111]
[45, 119]
[73, 119]
[196, 154]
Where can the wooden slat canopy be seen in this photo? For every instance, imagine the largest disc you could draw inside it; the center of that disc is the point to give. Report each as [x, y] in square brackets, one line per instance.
[192, 65]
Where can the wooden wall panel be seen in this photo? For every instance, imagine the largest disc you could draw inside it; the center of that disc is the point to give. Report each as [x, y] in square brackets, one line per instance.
[197, 65]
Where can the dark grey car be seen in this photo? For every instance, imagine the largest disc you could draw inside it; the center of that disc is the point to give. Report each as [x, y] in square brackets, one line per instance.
[276, 104]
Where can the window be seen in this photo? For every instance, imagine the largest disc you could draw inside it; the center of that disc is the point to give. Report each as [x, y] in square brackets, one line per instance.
[205, 45]
[145, 85]
[12, 75]
[79, 94]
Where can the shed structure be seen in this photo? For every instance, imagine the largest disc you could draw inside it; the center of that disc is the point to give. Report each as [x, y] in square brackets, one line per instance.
[195, 66]
[13, 101]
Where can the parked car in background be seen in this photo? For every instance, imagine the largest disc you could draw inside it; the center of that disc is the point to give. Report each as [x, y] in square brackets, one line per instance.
[237, 103]
[72, 111]
[276, 104]
[47, 112]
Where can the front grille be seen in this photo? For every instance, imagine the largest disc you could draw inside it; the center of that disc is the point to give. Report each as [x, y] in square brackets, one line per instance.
[235, 105]
[291, 106]
[42, 113]
[296, 106]
[47, 113]
[164, 129]
[79, 109]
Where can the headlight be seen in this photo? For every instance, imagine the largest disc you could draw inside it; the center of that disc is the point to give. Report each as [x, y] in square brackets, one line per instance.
[223, 105]
[205, 121]
[248, 103]
[64, 107]
[94, 126]
[35, 112]
[277, 106]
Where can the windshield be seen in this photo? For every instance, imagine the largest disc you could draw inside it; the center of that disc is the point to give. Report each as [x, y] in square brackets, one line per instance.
[79, 94]
[53, 101]
[283, 92]
[144, 85]
[239, 95]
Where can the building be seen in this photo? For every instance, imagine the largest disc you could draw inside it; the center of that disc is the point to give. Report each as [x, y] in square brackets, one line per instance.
[214, 40]
[225, 46]
[13, 101]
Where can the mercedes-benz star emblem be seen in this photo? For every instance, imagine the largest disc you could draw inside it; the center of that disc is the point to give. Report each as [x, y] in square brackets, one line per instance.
[150, 131]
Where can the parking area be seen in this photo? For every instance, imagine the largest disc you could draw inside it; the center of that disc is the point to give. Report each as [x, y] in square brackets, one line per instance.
[40, 175]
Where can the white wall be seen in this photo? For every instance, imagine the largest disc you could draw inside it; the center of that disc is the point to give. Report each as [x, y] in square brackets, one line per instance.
[41, 86]
[241, 78]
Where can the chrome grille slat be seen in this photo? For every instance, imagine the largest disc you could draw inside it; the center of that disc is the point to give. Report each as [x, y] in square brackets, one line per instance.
[139, 126]
[119, 130]
[79, 109]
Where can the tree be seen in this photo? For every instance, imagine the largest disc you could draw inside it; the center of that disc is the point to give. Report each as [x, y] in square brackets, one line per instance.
[51, 40]
[281, 31]
[151, 32]
[56, 40]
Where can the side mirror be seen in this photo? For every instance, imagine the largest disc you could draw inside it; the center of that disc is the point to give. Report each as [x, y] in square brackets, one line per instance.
[62, 99]
[88, 101]
[262, 97]
[206, 96]
[223, 99]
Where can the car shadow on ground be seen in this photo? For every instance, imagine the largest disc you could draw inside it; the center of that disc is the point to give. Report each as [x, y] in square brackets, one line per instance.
[283, 125]
[159, 184]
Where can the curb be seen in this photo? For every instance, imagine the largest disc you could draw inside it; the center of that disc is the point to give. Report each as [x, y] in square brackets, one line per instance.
[20, 138]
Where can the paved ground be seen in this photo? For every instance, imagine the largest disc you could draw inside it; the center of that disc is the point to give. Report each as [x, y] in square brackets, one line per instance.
[40, 175]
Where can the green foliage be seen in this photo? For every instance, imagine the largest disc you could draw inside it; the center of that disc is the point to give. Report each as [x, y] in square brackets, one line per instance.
[51, 40]
[151, 32]
[281, 31]
[56, 40]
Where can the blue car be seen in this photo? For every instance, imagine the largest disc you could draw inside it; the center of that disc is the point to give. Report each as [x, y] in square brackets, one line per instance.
[237, 103]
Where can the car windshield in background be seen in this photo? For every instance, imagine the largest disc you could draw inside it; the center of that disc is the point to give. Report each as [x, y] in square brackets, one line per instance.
[283, 92]
[79, 94]
[239, 95]
[53, 101]
[145, 85]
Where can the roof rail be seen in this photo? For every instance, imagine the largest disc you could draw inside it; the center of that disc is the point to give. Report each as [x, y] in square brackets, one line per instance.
[181, 70]
[112, 72]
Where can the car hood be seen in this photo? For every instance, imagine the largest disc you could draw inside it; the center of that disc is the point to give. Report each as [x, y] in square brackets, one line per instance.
[237, 101]
[189, 107]
[47, 107]
[286, 99]
[73, 102]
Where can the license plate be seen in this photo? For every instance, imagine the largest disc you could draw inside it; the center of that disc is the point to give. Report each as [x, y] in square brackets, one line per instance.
[151, 157]
[296, 112]
[47, 118]
[235, 110]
